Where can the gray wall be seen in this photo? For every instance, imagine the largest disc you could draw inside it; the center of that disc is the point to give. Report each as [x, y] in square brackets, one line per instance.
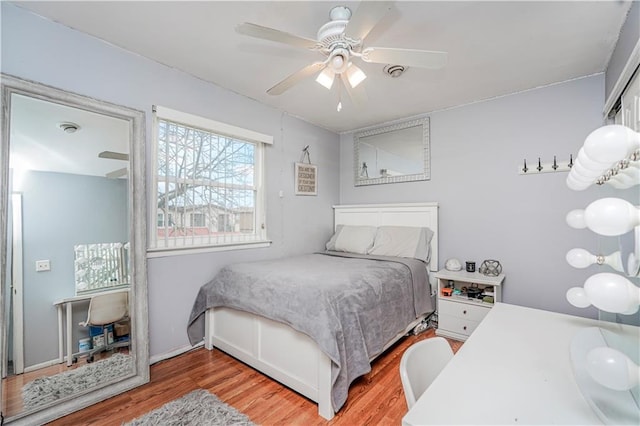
[61, 210]
[629, 36]
[488, 210]
[31, 49]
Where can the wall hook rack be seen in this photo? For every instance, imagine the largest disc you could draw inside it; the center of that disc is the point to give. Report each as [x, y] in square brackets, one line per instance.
[550, 167]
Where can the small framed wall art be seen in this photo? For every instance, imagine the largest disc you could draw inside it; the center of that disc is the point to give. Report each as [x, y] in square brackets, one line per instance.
[306, 179]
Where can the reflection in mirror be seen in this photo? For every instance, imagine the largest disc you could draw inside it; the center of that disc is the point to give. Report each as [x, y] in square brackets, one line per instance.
[67, 189]
[630, 252]
[100, 267]
[396, 153]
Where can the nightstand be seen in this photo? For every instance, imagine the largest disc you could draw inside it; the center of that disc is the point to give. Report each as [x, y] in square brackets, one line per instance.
[461, 312]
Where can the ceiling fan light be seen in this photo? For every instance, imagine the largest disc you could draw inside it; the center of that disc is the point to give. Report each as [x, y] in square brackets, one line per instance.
[337, 62]
[355, 75]
[326, 78]
[339, 59]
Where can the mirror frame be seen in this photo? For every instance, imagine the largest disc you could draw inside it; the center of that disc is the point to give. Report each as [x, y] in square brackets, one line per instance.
[137, 231]
[629, 245]
[426, 170]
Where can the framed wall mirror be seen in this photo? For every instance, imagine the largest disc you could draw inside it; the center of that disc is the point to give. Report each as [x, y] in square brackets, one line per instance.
[394, 153]
[72, 210]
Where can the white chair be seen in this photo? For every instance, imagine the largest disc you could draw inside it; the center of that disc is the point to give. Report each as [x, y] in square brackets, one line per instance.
[105, 309]
[421, 364]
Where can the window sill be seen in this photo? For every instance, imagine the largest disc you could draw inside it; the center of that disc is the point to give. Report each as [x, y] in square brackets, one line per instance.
[178, 251]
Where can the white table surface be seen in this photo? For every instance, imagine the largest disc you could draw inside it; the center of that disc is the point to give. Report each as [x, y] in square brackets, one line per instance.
[514, 369]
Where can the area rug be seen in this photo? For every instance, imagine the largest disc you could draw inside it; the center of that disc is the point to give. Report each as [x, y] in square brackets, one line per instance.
[196, 408]
[52, 388]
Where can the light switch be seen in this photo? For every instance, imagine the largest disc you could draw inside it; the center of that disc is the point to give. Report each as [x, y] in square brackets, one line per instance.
[43, 265]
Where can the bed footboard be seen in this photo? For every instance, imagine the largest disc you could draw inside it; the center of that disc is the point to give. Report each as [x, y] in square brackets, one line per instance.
[258, 341]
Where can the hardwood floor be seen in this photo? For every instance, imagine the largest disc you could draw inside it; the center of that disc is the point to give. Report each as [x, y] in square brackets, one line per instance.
[374, 399]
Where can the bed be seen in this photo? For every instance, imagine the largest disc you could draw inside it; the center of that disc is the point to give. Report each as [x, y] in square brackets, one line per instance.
[334, 311]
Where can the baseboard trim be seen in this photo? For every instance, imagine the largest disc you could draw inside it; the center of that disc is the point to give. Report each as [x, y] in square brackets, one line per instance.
[42, 365]
[152, 360]
[179, 351]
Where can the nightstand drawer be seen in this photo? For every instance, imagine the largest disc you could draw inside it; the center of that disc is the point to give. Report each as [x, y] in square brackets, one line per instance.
[456, 325]
[461, 310]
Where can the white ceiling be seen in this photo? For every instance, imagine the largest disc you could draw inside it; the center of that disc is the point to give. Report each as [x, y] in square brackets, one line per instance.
[38, 142]
[495, 48]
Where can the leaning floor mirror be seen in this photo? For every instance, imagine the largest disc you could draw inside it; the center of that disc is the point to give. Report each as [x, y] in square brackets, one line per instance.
[73, 244]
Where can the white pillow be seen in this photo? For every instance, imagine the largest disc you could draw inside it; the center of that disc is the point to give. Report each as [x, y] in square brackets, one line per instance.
[352, 239]
[403, 241]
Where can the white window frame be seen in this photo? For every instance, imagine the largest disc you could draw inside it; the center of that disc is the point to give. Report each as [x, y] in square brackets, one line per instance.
[260, 140]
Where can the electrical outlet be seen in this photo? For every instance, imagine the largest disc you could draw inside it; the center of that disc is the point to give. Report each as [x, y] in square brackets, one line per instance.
[43, 265]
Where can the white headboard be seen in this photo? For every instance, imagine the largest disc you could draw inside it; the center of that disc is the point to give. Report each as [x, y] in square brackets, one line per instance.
[405, 214]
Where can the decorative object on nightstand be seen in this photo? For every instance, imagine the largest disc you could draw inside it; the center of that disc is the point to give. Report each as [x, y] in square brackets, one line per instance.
[447, 291]
[605, 364]
[491, 267]
[453, 265]
[461, 310]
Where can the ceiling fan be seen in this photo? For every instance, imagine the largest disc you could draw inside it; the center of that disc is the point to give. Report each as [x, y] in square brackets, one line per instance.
[112, 155]
[341, 41]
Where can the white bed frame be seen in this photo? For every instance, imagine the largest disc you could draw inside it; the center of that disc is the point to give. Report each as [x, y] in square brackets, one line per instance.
[259, 342]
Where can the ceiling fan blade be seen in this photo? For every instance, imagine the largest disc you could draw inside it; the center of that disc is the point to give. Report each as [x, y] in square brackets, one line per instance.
[296, 77]
[114, 155]
[368, 14]
[407, 57]
[117, 173]
[358, 96]
[272, 34]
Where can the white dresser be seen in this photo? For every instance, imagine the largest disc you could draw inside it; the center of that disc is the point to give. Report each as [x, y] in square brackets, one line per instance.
[459, 315]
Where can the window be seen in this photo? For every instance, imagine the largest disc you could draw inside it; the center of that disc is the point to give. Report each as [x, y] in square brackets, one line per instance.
[161, 222]
[208, 183]
[197, 219]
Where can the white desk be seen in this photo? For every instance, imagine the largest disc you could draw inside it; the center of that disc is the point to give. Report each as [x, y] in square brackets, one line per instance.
[64, 307]
[514, 369]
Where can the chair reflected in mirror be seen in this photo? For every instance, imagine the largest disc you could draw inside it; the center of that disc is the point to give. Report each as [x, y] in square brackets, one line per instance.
[421, 364]
[106, 311]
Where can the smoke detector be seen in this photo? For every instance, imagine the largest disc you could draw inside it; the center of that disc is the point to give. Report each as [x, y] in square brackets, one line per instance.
[394, 71]
[68, 127]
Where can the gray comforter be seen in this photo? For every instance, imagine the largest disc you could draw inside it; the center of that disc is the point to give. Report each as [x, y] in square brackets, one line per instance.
[351, 305]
